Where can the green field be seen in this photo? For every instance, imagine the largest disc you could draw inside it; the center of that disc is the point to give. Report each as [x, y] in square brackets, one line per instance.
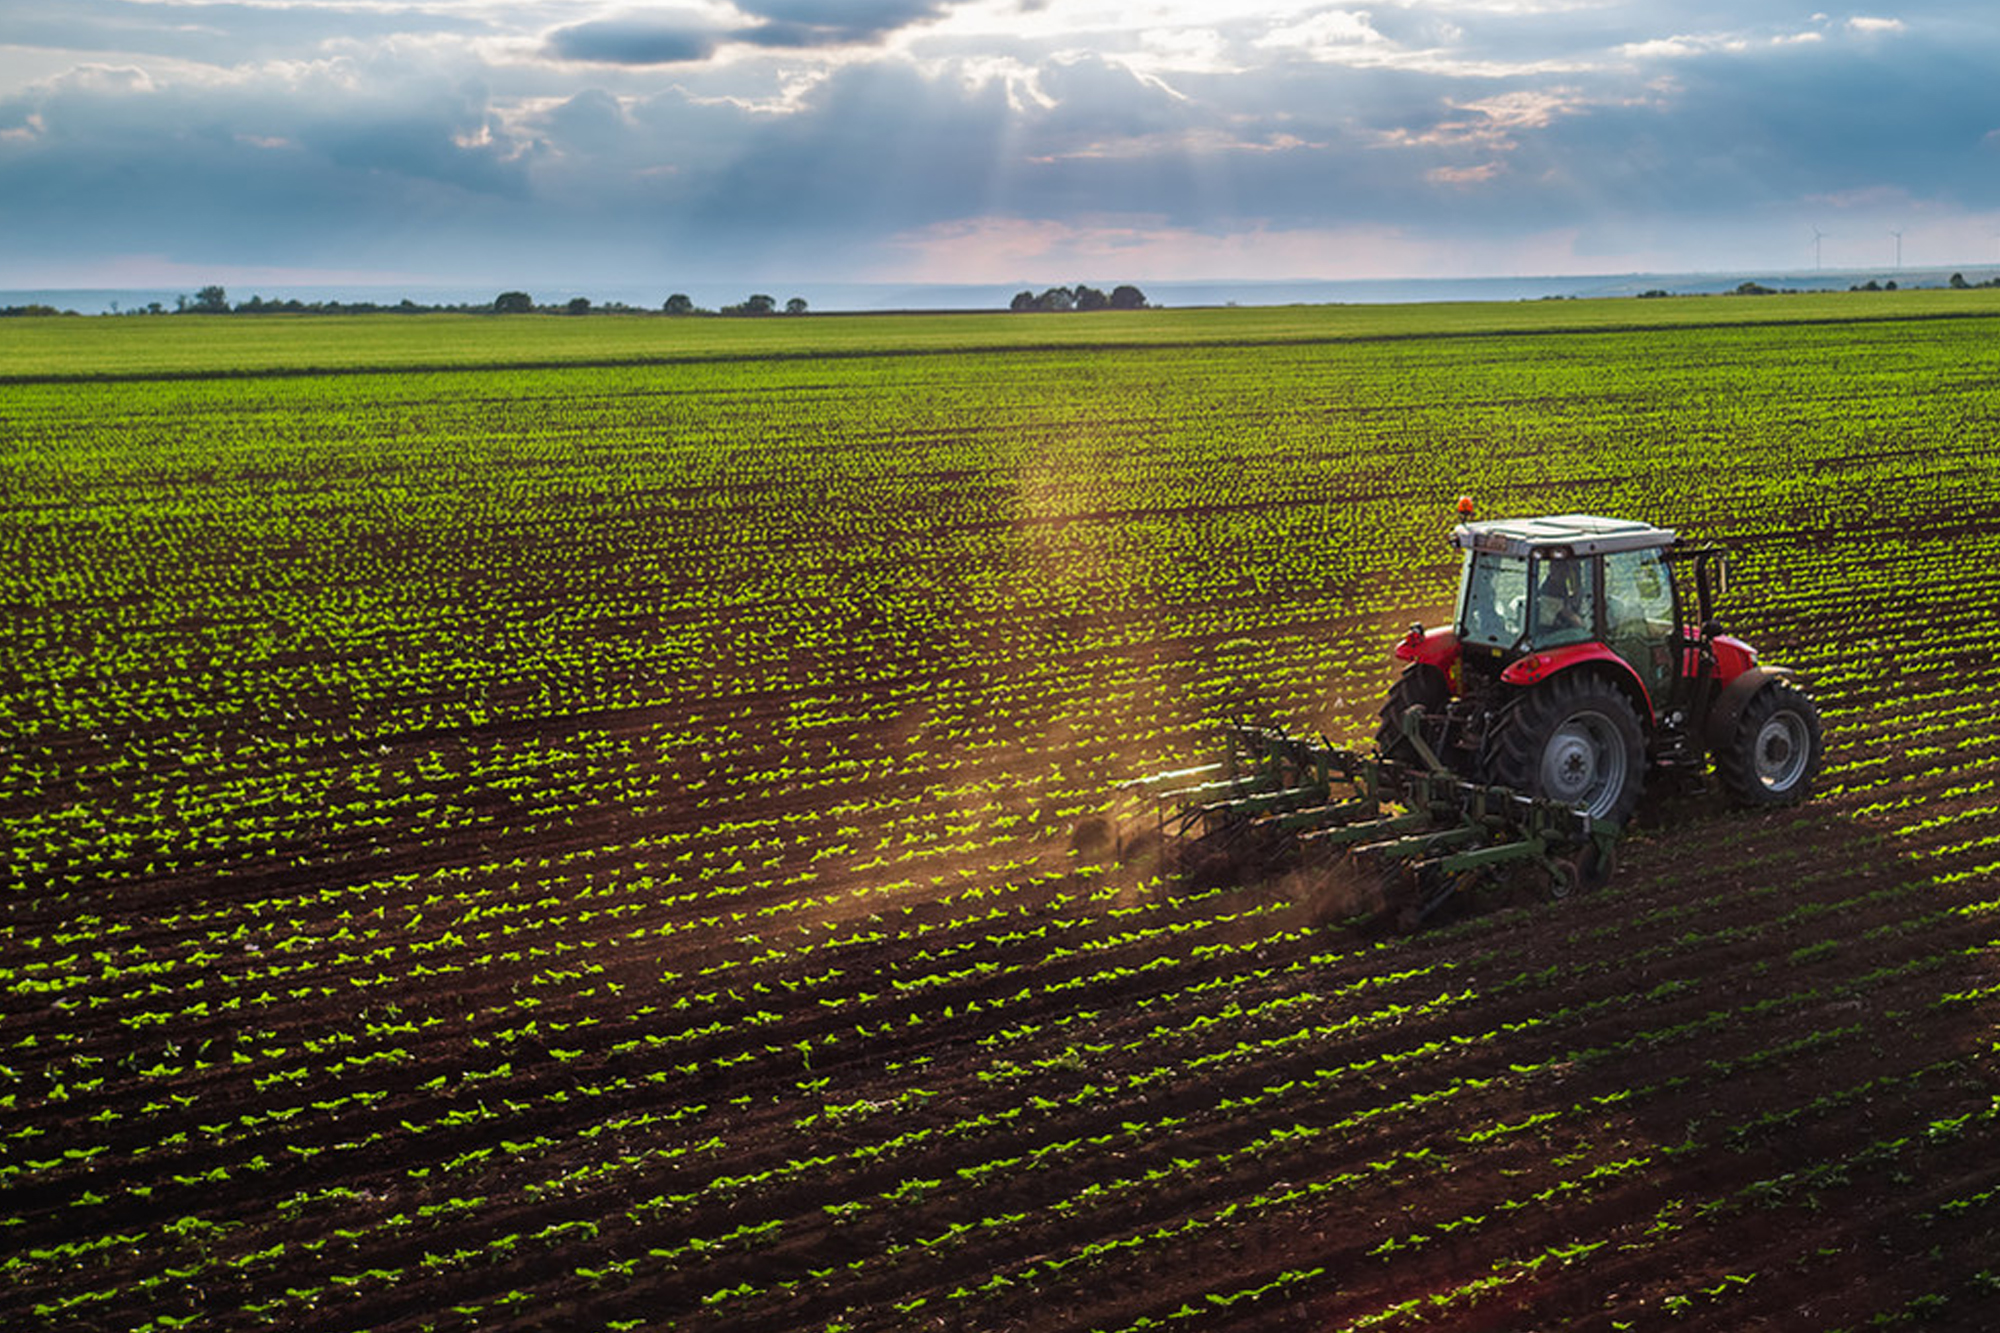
[614, 822]
[199, 345]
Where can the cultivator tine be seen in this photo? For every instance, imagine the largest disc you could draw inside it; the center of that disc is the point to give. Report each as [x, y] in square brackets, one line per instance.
[1423, 846]
[1205, 793]
[1275, 797]
[1378, 831]
[1305, 822]
[1179, 775]
[1269, 802]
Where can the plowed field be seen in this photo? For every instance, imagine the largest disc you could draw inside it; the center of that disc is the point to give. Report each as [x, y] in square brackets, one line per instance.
[636, 842]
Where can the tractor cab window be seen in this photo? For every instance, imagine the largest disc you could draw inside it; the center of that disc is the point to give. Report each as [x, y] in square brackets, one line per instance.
[1639, 615]
[1493, 600]
[1638, 596]
[1565, 601]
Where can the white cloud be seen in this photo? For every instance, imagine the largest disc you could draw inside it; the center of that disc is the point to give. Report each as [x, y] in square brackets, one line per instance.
[103, 80]
[1494, 124]
[1528, 108]
[1679, 47]
[1165, 51]
[1327, 35]
[1478, 175]
[1748, 40]
[1020, 80]
[1514, 8]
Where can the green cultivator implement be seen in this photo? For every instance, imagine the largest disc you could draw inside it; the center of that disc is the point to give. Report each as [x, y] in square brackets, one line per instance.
[1584, 658]
[1278, 802]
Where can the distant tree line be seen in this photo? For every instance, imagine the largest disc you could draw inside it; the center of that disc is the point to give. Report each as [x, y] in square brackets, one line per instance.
[1124, 297]
[1957, 283]
[757, 304]
[214, 300]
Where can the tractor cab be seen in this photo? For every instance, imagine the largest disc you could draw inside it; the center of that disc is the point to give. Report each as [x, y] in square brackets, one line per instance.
[1537, 595]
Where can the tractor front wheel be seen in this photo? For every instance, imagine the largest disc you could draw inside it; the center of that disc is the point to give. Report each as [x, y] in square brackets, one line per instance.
[1573, 739]
[1775, 753]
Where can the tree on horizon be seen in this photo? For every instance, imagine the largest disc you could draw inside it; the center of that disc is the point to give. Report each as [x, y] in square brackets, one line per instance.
[1081, 297]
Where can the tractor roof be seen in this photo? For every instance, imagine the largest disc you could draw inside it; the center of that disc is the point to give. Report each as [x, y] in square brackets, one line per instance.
[1560, 534]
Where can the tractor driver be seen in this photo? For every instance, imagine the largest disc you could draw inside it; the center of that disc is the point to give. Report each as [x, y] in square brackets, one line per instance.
[1559, 612]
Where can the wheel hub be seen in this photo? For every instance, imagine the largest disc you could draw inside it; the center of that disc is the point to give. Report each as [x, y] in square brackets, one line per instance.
[1584, 763]
[1781, 751]
[1571, 767]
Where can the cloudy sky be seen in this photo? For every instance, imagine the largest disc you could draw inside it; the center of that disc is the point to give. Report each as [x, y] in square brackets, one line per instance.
[147, 142]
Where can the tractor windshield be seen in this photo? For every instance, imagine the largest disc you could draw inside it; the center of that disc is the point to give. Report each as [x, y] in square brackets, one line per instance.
[1493, 599]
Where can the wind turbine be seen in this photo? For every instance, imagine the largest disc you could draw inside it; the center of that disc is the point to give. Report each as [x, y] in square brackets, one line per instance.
[1899, 245]
[1818, 236]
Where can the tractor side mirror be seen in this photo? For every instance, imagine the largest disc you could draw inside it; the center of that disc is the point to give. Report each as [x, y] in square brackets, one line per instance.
[1711, 581]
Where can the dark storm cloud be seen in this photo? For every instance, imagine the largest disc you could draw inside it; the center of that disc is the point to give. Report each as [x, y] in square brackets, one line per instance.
[685, 38]
[636, 40]
[246, 172]
[1831, 123]
[1839, 121]
[865, 15]
[811, 23]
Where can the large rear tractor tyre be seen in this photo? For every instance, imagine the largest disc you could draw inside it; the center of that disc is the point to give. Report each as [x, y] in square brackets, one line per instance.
[1574, 739]
[1421, 683]
[1776, 751]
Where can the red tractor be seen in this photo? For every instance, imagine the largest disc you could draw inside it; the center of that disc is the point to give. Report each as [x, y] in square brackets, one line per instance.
[1578, 662]
[1584, 654]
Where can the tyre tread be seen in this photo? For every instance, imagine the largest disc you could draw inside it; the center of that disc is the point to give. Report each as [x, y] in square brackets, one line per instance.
[1521, 733]
[1736, 762]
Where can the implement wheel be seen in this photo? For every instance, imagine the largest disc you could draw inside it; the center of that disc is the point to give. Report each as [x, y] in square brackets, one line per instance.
[1776, 751]
[1587, 871]
[1573, 739]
